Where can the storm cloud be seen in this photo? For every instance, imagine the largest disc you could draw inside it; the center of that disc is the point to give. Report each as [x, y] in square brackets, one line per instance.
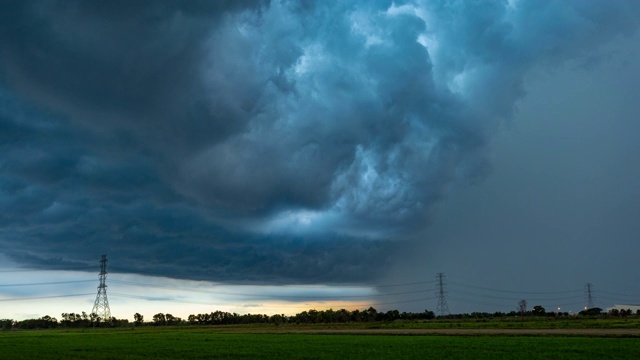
[281, 141]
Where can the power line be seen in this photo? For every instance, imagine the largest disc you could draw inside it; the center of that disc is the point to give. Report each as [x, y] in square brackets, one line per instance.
[47, 283]
[138, 272]
[477, 302]
[617, 294]
[620, 300]
[213, 292]
[406, 284]
[155, 274]
[509, 298]
[465, 293]
[514, 292]
[48, 269]
[150, 298]
[44, 297]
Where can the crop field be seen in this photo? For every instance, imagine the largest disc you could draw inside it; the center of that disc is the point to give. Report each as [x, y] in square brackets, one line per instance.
[507, 323]
[290, 342]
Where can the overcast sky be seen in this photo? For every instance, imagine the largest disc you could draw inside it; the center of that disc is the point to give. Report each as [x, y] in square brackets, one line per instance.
[332, 147]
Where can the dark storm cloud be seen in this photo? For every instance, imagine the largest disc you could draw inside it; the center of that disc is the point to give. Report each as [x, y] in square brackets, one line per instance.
[62, 204]
[119, 65]
[225, 138]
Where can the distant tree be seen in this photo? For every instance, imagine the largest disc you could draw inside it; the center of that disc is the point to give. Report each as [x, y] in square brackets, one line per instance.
[356, 315]
[591, 311]
[371, 314]
[539, 310]
[428, 315]
[313, 316]
[522, 306]
[172, 320]
[94, 318]
[391, 315]
[328, 316]
[342, 315]
[138, 318]
[159, 319]
[277, 319]
[41, 323]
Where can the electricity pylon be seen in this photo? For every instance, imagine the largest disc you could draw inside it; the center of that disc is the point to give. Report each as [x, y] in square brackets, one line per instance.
[589, 295]
[442, 309]
[101, 306]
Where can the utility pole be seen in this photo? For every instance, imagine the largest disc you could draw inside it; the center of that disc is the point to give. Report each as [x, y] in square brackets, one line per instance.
[442, 309]
[101, 306]
[589, 295]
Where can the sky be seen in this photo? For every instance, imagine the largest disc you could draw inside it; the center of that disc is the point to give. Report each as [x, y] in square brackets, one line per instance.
[275, 156]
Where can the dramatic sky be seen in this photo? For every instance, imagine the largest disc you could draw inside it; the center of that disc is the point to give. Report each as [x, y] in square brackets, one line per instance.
[327, 151]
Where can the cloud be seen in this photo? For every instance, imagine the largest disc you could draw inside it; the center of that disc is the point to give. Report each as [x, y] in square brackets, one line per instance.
[63, 203]
[266, 141]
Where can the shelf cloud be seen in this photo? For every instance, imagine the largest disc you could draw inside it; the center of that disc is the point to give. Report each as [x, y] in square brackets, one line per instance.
[260, 141]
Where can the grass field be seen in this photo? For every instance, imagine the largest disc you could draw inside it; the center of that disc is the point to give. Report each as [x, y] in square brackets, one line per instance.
[508, 323]
[256, 342]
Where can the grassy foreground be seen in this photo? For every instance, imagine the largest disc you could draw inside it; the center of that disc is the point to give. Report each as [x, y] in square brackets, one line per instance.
[208, 343]
[529, 323]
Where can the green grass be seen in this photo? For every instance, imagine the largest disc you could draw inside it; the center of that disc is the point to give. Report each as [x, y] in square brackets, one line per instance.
[507, 323]
[511, 323]
[217, 342]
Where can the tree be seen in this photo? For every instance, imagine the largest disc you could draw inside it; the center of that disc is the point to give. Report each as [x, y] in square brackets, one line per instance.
[94, 318]
[277, 319]
[591, 311]
[138, 319]
[313, 316]
[522, 306]
[172, 320]
[159, 319]
[342, 315]
[539, 310]
[391, 315]
[371, 314]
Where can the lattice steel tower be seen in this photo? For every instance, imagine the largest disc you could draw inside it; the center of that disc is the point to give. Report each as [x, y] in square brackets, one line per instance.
[589, 295]
[101, 306]
[442, 309]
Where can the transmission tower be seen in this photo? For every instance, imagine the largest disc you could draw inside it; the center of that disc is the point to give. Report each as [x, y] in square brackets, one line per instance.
[101, 306]
[589, 295]
[442, 309]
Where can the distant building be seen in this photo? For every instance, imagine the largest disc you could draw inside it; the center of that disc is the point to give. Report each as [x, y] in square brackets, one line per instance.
[634, 308]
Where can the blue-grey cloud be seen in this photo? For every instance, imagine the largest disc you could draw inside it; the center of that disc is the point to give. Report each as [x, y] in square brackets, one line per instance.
[267, 141]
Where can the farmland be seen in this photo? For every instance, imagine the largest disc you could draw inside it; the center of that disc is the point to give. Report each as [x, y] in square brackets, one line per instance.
[353, 341]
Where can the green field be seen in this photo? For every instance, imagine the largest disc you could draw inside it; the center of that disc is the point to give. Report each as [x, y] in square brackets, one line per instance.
[252, 342]
[507, 323]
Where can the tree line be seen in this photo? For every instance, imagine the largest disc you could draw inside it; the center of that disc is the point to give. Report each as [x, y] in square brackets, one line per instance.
[68, 320]
[84, 320]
